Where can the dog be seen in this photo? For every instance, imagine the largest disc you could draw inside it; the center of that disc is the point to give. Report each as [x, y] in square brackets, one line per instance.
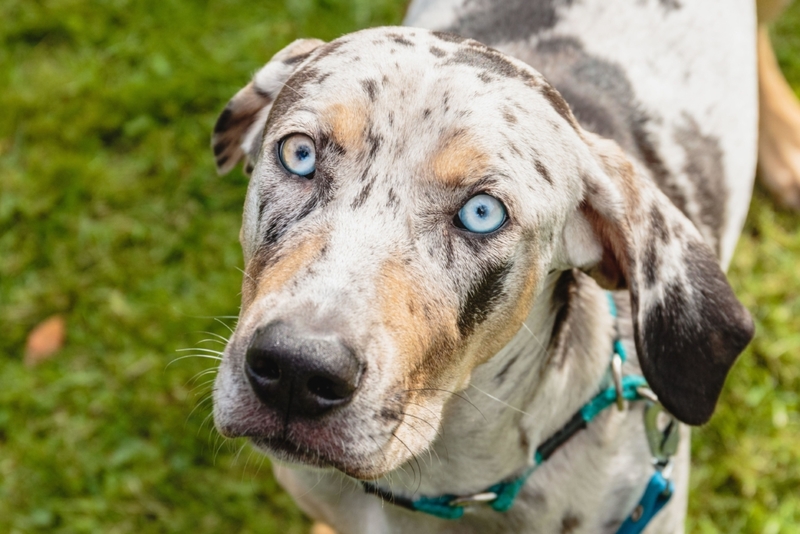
[453, 233]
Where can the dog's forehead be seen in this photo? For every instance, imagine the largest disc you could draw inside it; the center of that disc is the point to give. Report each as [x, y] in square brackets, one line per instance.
[410, 80]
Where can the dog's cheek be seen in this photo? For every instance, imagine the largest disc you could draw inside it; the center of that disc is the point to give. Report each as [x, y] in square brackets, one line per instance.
[420, 323]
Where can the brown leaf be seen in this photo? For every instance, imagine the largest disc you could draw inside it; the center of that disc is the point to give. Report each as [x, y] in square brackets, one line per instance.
[45, 340]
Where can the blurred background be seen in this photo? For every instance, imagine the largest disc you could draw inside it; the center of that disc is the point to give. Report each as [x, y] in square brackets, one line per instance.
[118, 251]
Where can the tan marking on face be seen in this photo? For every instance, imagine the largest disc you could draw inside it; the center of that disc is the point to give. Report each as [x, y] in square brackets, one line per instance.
[424, 330]
[348, 124]
[264, 276]
[459, 160]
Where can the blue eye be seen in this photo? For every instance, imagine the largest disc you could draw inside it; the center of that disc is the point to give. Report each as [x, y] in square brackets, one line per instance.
[298, 155]
[482, 214]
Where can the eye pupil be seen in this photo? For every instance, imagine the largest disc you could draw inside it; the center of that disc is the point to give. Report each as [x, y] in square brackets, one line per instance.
[482, 214]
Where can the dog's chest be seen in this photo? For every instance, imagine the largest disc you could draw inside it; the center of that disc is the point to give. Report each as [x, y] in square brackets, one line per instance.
[673, 82]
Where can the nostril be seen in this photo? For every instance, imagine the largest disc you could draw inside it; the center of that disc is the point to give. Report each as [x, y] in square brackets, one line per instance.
[263, 366]
[329, 390]
[268, 369]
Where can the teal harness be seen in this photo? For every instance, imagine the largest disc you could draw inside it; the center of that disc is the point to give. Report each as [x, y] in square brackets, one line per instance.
[501, 496]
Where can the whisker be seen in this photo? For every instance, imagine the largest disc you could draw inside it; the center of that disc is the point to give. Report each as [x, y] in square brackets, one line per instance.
[225, 325]
[504, 403]
[217, 358]
[221, 338]
[455, 395]
[246, 274]
[203, 373]
[209, 340]
[201, 349]
[525, 325]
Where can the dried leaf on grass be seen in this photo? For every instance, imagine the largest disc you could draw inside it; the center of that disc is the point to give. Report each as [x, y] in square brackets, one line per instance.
[45, 340]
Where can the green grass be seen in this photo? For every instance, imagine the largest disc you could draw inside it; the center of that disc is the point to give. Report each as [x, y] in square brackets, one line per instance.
[111, 214]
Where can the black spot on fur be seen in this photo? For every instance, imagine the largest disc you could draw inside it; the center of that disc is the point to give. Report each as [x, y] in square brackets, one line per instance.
[223, 120]
[542, 170]
[509, 117]
[363, 195]
[448, 36]
[426, 113]
[222, 161]
[515, 20]
[436, 51]
[491, 61]
[374, 141]
[671, 5]
[501, 375]
[558, 103]
[392, 200]
[298, 58]
[650, 265]
[562, 296]
[482, 298]
[484, 77]
[399, 39]
[219, 148]
[704, 167]
[570, 523]
[330, 148]
[329, 49]
[371, 88]
[291, 93]
[321, 78]
[659, 225]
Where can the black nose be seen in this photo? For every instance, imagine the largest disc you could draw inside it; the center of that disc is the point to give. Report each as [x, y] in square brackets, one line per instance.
[301, 373]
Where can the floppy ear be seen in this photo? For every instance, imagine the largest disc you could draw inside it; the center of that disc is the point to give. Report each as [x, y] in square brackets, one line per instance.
[688, 325]
[240, 126]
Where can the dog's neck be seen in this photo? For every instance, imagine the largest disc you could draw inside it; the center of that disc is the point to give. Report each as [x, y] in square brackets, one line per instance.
[521, 396]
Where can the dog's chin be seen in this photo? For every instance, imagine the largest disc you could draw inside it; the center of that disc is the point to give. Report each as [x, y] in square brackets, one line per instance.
[288, 452]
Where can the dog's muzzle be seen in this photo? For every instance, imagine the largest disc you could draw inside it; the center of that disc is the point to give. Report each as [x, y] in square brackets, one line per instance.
[300, 373]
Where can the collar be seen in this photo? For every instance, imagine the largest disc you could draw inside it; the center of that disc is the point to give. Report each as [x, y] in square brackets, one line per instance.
[500, 497]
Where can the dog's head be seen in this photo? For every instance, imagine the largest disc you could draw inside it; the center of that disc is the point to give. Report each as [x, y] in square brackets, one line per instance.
[410, 192]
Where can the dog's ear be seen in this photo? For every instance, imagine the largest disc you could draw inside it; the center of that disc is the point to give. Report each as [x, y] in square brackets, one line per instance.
[688, 325]
[240, 126]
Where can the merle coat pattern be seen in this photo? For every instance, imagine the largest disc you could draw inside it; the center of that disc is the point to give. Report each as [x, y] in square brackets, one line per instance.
[624, 161]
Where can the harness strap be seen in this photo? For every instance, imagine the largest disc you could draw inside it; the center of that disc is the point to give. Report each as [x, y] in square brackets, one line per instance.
[501, 496]
[658, 493]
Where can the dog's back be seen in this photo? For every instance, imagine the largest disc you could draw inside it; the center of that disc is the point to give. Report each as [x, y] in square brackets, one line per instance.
[673, 82]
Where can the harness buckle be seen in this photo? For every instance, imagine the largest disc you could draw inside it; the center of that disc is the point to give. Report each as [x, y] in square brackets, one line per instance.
[485, 497]
[616, 375]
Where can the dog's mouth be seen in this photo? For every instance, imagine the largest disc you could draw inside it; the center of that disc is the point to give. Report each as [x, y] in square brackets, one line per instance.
[286, 450]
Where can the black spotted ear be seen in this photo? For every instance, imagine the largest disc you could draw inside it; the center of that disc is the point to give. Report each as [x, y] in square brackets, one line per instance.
[237, 133]
[688, 325]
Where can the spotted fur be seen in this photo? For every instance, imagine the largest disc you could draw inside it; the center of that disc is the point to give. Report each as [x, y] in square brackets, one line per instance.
[477, 347]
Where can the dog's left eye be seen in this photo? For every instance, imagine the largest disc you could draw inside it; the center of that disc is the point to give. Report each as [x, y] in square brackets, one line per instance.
[481, 214]
[298, 155]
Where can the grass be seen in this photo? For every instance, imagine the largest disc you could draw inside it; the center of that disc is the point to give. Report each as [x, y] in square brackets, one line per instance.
[111, 214]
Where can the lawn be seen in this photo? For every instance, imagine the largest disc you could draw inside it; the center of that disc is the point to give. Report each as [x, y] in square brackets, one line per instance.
[111, 216]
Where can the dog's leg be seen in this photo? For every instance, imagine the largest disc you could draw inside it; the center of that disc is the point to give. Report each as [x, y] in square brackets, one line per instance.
[779, 122]
[322, 528]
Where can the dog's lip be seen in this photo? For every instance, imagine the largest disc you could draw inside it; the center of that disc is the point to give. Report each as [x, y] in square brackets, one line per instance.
[288, 451]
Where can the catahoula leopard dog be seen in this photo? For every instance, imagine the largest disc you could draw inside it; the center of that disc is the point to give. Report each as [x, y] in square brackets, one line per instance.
[436, 218]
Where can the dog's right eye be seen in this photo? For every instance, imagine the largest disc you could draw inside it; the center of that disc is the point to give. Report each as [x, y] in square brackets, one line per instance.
[297, 154]
[482, 214]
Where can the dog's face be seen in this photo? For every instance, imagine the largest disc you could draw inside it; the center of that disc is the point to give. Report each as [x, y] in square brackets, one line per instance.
[410, 191]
